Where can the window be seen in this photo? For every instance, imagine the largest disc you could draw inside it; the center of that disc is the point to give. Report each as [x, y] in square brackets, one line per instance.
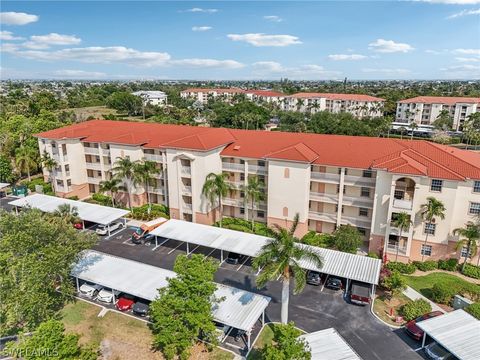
[69, 182]
[338, 189]
[242, 176]
[436, 185]
[367, 173]
[362, 231]
[363, 212]
[464, 252]
[476, 186]
[285, 211]
[365, 192]
[242, 211]
[474, 208]
[399, 194]
[260, 214]
[261, 163]
[426, 250]
[67, 168]
[286, 173]
[242, 194]
[242, 161]
[429, 229]
[339, 171]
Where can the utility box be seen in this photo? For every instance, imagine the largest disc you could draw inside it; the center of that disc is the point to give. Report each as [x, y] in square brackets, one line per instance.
[20, 191]
[459, 302]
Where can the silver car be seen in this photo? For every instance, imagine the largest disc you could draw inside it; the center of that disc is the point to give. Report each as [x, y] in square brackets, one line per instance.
[106, 295]
[437, 352]
[103, 229]
[90, 290]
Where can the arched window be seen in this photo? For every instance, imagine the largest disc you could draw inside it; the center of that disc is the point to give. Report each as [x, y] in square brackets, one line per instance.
[285, 211]
[286, 173]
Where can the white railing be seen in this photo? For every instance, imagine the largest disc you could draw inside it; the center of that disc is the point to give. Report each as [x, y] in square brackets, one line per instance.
[233, 166]
[403, 204]
[156, 190]
[236, 184]
[391, 248]
[328, 217]
[94, 180]
[106, 152]
[67, 173]
[186, 206]
[357, 201]
[92, 150]
[356, 221]
[153, 157]
[187, 189]
[359, 180]
[95, 166]
[233, 202]
[107, 166]
[333, 198]
[325, 176]
[186, 170]
[257, 169]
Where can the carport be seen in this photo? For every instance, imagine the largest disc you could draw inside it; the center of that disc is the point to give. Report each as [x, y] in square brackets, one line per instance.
[94, 213]
[457, 331]
[328, 344]
[239, 309]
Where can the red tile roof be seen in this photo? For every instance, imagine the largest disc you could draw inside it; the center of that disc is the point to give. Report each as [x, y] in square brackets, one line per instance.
[394, 155]
[329, 96]
[218, 90]
[441, 100]
[265, 93]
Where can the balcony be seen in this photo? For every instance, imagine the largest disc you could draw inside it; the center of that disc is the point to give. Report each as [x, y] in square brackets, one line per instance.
[236, 184]
[92, 150]
[403, 204]
[325, 177]
[94, 180]
[324, 197]
[186, 170]
[233, 202]
[233, 166]
[257, 169]
[186, 190]
[156, 190]
[154, 157]
[321, 216]
[94, 166]
[107, 166]
[187, 208]
[358, 201]
[105, 152]
[393, 248]
[359, 181]
[356, 221]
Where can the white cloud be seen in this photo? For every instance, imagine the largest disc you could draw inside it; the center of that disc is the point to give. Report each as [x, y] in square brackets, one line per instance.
[266, 69]
[464, 13]
[200, 10]
[201, 28]
[8, 36]
[257, 39]
[386, 71]
[342, 57]
[389, 46]
[456, 2]
[466, 71]
[8, 47]
[273, 18]
[208, 63]
[467, 51]
[17, 18]
[56, 39]
[463, 59]
[79, 74]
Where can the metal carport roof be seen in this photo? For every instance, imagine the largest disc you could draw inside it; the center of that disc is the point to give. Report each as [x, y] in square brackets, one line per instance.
[457, 331]
[4, 185]
[336, 263]
[239, 309]
[329, 345]
[98, 214]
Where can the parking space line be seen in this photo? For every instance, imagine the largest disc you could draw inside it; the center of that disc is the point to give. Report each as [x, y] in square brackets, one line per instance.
[248, 257]
[226, 335]
[115, 233]
[163, 242]
[175, 248]
[323, 285]
[210, 253]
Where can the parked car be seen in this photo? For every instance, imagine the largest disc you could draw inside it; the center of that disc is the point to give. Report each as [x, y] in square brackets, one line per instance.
[313, 278]
[106, 295]
[125, 302]
[78, 225]
[413, 330]
[103, 229]
[140, 308]
[334, 283]
[90, 290]
[436, 351]
[221, 331]
[234, 258]
[360, 293]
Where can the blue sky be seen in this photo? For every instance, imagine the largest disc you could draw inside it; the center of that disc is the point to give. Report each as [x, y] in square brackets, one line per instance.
[431, 39]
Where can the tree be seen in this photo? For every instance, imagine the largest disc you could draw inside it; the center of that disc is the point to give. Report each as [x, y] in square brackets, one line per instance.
[470, 235]
[6, 171]
[124, 101]
[37, 253]
[280, 258]
[429, 211]
[183, 311]
[401, 221]
[254, 193]
[394, 283]
[215, 189]
[26, 160]
[286, 344]
[443, 121]
[112, 186]
[49, 341]
[67, 213]
[347, 239]
[50, 164]
[124, 169]
[413, 126]
[144, 174]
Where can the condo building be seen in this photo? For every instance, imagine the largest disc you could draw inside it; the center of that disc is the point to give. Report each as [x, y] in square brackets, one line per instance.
[424, 110]
[329, 180]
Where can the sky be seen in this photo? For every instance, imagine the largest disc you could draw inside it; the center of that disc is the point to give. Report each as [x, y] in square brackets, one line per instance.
[247, 40]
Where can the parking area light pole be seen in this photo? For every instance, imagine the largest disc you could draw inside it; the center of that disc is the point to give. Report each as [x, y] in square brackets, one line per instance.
[263, 318]
[188, 249]
[113, 296]
[108, 229]
[424, 338]
[221, 256]
[249, 334]
[78, 286]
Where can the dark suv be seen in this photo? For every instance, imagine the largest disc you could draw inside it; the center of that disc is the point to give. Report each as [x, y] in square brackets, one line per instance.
[234, 258]
[313, 278]
[334, 283]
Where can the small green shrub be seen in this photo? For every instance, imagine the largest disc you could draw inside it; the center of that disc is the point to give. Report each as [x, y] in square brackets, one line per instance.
[102, 199]
[47, 187]
[443, 293]
[401, 267]
[474, 310]
[75, 197]
[414, 309]
[374, 255]
[472, 271]
[321, 240]
[156, 211]
[245, 226]
[449, 265]
[426, 265]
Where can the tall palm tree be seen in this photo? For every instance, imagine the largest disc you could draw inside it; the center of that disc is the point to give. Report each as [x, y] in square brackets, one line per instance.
[280, 258]
[124, 169]
[67, 213]
[402, 221]
[432, 209]
[300, 103]
[144, 174]
[253, 193]
[215, 188]
[470, 234]
[413, 126]
[111, 186]
[25, 159]
[50, 164]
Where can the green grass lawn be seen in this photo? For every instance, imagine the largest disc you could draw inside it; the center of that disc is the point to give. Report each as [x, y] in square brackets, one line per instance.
[265, 337]
[424, 284]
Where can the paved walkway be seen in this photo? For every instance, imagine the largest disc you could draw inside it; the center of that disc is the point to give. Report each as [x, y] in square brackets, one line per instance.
[415, 295]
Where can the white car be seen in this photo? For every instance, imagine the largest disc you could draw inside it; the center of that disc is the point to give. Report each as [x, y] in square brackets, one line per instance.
[105, 295]
[90, 290]
[103, 229]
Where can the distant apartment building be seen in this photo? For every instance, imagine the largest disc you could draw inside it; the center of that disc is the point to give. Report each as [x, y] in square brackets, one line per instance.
[424, 110]
[203, 95]
[329, 180]
[157, 98]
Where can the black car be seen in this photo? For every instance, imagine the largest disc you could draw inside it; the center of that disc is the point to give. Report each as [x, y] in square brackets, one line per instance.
[334, 283]
[234, 258]
[313, 278]
[140, 308]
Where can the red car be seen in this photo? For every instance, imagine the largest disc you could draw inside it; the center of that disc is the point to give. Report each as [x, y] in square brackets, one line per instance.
[125, 302]
[78, 226]
[413, 330]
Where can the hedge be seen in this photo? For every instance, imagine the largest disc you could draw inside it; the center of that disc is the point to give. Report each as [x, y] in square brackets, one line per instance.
[156, 211]
[413, 309]
[443, 293]
[426, 265]
[402, 268]
[245, 226]
[373, 255]
[474, 310]
[472, 271]
[449, 265]
[102, 199]
[47, 187]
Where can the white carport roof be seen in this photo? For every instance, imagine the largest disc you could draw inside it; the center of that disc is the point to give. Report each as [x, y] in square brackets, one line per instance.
[458, 332]
[239, 309]
[3, 185]
[329, 345]
[98, 214]
[336, 263]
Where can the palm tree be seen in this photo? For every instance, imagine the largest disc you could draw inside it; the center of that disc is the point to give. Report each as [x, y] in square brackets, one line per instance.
[253, 192]
[470, 234]
[413, 126]
[215, 188]
[401, 221]
[300, 103]
[67, 213]
[280, 258]
[124, 169]
[25, 160]
[432, 209]
[50, 164]
[144, 174]
[112, 186]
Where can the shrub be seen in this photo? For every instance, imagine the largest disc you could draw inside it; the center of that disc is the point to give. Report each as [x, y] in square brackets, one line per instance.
[449, 265]
[245, 226]
[395, 283]
[401, 267]
[47, 187]
[156, 211]
[426, 265]
[443, 293]
[413, 309]
[472, 271]
[474, 310]
[75, 197]
[102, 199]
[374, 255]
[469, 290]
[320, 240]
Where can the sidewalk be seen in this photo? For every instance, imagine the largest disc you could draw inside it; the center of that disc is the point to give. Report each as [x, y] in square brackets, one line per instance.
[414, 295]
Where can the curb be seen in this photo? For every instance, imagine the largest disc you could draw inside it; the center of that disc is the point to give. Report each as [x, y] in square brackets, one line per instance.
[396, 327]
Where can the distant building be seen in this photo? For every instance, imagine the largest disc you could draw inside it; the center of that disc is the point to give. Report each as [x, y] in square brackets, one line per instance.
[203, 95]
[424, 110]
[158, 98]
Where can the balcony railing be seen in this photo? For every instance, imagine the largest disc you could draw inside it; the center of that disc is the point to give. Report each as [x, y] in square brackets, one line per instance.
[94, 180]
[187, 207]
[403, 204]
[359, 181]
[186, 170]
[327, 217]
[328, 177]
[156, 190]
[187, 190]
[257, 169]
[323, 197]
[92, 150]
[234, 202]
[95, 166]
[236, 184]
[356, 221]
[357, 201]
[233, 166]
[392, 248]
[153, 157]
